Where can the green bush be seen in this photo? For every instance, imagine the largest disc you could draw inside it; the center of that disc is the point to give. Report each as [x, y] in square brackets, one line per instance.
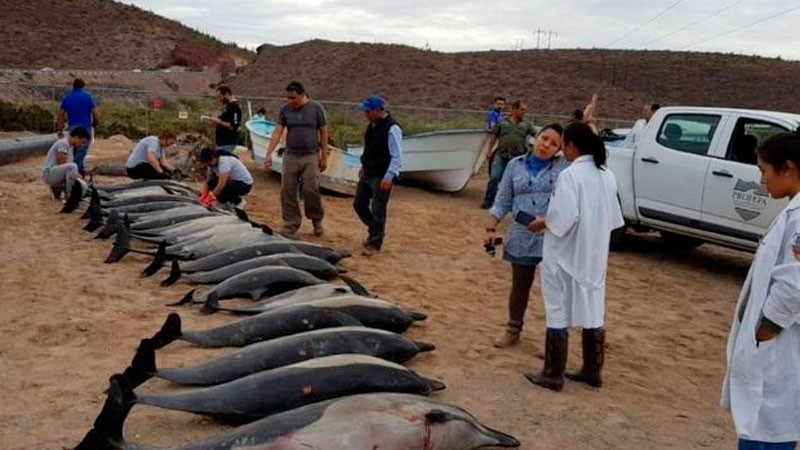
[25, 118]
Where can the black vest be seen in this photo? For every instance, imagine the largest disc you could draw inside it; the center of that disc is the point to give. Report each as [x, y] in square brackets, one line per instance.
[376, 157]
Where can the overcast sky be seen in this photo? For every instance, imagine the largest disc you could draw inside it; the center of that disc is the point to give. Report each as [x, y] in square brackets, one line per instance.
[467, 25]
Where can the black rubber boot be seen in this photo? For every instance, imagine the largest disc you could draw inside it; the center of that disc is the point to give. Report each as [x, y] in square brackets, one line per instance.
[594, 340]
[555, 361]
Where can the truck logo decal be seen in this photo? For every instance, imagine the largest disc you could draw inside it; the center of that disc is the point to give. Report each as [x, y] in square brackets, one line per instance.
[749, 199]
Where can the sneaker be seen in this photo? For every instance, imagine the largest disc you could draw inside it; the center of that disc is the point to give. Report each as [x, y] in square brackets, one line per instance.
[370, 247]
[57, 191]
[318, 230]
[241, 205]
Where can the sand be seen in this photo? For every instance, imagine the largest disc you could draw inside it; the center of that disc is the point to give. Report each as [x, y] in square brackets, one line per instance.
[69, 322]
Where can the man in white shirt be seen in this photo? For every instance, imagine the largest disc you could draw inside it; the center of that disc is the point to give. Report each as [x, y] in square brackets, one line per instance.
[633, 137]
[147, 160]
[59, 171]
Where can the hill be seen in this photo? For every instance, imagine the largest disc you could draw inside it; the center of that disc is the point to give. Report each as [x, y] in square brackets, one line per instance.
[104, 34]
[551, 81]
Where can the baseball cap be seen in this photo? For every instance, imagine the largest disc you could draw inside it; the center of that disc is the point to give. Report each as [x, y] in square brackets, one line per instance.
[372, 102]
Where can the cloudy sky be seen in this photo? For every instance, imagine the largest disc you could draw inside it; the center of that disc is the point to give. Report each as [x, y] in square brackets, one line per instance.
[763, 27]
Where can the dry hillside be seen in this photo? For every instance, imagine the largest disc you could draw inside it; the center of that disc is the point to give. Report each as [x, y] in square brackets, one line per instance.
[103, 34]
[553, 81]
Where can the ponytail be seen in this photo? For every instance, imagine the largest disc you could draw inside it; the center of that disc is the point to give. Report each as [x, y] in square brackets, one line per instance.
[780, 149]
[587, 142]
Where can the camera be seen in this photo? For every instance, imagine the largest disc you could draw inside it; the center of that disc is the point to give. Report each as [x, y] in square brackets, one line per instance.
[491, 244]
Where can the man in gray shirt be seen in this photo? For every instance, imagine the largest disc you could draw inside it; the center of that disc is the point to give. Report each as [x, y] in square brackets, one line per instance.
[306, 156]
[59, 170]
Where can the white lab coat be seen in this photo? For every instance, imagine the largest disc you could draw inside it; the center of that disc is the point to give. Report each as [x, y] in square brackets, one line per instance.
[762, 383]
[582, 213]
[635, 135]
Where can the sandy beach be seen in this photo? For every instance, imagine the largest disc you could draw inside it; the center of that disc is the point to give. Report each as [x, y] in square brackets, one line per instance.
[69, 322]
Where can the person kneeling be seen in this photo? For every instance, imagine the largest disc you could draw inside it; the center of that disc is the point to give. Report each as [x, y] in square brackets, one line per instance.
[60, 171]
[148, 160]
[229, 180]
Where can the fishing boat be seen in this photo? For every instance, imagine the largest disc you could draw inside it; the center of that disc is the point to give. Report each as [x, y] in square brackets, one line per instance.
[341, 175]
[442, 160]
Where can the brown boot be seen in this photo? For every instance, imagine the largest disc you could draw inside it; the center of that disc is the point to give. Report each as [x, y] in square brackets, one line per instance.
[510, 337]
[555, 361]
[594, 340]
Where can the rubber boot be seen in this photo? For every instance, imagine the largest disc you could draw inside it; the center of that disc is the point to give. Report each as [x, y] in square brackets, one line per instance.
[510, 336]
[555, 361]
[593, 357]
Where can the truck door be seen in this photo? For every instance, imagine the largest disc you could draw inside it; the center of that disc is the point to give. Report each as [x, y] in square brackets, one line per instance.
[735, 203]
[670, 168]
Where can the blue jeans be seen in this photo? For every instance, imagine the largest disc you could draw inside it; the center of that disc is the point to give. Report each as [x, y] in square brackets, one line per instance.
[755, 445]
[496, 171]
[79, 156]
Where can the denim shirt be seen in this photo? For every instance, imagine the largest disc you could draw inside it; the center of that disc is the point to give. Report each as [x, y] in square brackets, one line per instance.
[520, 190]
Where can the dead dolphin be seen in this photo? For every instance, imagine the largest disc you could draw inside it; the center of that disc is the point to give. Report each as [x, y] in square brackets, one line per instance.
[148, 199]
[371, 312]
[277, 390]
[261, 327]
[366, 421]
[278, 352]
[315, 266]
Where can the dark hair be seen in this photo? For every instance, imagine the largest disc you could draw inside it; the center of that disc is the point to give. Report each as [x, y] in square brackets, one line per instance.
[577, 114]
[586, 141]
[553, 126]
[167, 134]
[207, 154]
[516, 104]
[80, 132]
[655, 107]
[224, 89]
[261, 111]
[296, 86]
[78, 84]
[780, 149]
[499, 97]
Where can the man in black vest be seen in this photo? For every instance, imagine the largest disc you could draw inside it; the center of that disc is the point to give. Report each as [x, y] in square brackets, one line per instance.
[380, 165]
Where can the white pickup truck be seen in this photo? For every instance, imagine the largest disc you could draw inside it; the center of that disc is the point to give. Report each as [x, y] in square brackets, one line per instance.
[693, 175]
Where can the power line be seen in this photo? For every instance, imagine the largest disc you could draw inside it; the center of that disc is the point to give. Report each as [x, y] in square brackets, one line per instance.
[686, 27]
[645, 23]
[735, 30]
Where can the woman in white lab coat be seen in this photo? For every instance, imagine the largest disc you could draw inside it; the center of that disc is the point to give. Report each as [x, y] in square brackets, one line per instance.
[762, 382]
[583, 212]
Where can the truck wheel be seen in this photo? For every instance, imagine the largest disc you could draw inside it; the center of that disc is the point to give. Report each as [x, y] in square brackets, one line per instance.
[617, 238]
[680, 241]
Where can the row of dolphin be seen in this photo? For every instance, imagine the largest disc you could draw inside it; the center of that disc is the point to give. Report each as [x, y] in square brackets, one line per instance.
[315, 364]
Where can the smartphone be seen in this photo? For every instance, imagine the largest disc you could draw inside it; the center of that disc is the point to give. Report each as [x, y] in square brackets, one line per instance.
[524, 218]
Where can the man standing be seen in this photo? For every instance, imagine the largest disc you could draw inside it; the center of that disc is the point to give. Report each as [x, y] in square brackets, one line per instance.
[380, 164]
[78, 109]
[59, 170]
[511, 136]
[633, 137]
[495, 115]
[305, 157]
[226, 134]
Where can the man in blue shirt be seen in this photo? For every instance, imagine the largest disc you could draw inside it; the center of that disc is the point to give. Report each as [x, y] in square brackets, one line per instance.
[495, 115]
[380, 165]
[78, 109]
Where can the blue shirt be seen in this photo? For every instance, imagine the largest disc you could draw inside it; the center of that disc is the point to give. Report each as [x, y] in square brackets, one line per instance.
[527, 185]
[78, 105]
[395, 152]
[493, 117]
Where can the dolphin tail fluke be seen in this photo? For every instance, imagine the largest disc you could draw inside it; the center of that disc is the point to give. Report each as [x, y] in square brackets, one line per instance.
[424, 346]
[211, 304]
[112, 225]
[417, 316]
[169, 332]
[158, 261]
[94, 201]
[121, 246]
[107, 431]
[143, 365]
[241, 214]
[357, 287]
[94, 213]
[174, 274]
[188, 298]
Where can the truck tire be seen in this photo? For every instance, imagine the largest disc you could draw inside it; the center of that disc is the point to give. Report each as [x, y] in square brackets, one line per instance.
[680, 241]
[617, 238]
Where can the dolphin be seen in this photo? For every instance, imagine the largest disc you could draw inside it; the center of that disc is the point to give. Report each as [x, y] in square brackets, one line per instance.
[366, 421]
[277, 352]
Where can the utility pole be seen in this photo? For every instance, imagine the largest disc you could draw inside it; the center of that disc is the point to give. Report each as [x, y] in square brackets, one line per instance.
[539, 33]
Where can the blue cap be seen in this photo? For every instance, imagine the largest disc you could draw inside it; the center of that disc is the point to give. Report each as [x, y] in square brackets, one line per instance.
[372, 102]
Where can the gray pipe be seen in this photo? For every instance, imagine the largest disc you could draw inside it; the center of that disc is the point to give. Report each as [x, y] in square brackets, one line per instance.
[12, 150]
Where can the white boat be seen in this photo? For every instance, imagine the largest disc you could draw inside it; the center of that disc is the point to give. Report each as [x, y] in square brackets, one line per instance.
[441, 160]
[340, 176]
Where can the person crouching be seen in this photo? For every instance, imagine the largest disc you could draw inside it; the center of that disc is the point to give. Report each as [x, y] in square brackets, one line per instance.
[148, 160]
[59, 171]
[229, 179]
